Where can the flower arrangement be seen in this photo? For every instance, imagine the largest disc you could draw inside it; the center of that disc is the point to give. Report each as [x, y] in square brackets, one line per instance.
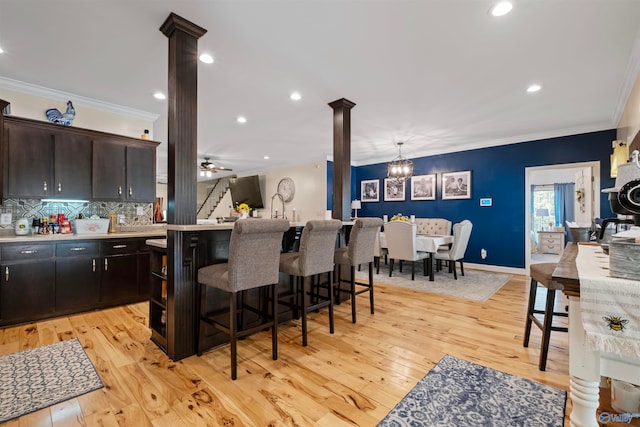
[400, 217]
[243, 207]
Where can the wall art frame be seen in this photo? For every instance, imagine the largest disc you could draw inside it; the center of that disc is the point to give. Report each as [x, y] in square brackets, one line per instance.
[394, 190]
[370, 190]
[423, 187]
[456, 185]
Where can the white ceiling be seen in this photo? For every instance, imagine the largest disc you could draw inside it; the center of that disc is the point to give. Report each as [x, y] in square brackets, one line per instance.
[440, 75]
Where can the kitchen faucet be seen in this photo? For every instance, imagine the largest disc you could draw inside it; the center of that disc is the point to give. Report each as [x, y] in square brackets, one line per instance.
[284, 213]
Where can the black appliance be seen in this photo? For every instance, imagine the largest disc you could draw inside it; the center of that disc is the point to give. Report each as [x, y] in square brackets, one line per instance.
[624, 198]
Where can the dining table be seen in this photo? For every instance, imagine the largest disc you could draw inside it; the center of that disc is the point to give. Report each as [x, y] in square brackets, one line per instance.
[425, 243]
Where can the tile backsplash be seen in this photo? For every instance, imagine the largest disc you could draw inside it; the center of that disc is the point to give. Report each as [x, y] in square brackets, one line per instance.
[34, 208]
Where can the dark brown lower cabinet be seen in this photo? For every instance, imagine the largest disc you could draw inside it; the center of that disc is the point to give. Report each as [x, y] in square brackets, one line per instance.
[77, 276]
[27, 283]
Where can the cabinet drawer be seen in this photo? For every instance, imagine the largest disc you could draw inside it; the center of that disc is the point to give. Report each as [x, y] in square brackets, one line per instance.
[548, 236]
[119, 247]
[26, 252]
[77, 249]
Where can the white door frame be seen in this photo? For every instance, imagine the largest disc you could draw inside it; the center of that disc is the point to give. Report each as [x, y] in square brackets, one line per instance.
[595, 171]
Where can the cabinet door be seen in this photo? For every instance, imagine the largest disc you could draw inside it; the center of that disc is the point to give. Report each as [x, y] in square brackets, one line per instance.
[108, 170]
[72, 167]
[77, 283]
[119, 278]
[144, 274]
[29, 162]
[26, 291]
[141, 172]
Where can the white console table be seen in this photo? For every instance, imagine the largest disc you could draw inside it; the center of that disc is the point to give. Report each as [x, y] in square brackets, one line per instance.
[586, 366]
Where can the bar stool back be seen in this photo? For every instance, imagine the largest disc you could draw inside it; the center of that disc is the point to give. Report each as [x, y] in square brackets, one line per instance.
[315, 257]
[541, 274]
[254, 254]
[359, 251]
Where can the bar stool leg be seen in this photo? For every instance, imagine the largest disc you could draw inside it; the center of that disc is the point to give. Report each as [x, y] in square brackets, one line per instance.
[371, 286]
[331, 323]
[303, 291]
[531, 305]
[546, 329]
[233, 329]
[353, 294]
[274, 328]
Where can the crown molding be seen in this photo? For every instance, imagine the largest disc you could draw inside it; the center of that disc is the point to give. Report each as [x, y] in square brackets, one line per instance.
[44, 92]
[631, 75]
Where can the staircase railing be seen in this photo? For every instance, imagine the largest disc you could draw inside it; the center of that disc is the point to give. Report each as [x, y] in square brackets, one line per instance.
[213, 198]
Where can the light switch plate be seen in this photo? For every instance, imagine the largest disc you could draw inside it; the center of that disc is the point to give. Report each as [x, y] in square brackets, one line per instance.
[139, 210]
[5, 219]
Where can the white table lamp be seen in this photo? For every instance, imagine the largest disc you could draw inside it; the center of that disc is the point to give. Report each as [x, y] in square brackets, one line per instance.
[355, 205]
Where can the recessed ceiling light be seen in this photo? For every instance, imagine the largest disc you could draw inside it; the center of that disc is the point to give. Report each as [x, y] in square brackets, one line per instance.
[241, 119]
[501, 9]
[1, 51]
[159, 95]
[534, 88]
[206, 58]
[295, 96]
[266, 157]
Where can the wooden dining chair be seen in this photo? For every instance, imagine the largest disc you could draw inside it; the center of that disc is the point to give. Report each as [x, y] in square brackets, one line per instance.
[401, 246]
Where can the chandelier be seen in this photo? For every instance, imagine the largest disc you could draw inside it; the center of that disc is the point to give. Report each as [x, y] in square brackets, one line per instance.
[400, 168]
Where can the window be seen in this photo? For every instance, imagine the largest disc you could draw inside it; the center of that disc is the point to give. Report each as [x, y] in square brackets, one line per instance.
[542, 198]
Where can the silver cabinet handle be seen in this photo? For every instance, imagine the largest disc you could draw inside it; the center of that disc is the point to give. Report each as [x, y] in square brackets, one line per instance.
[130, 191]
[29, 251]
[119, 191]
[6, 274]
[106, 264]
[44, 186]
[119, 246]
[93, 265]
[79, 249]
[59, 187]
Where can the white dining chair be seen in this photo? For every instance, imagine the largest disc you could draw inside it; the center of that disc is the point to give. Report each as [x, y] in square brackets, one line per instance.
[461, 235]
[401, 245]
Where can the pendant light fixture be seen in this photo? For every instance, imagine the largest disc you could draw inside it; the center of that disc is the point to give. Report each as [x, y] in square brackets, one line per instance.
[400, 168]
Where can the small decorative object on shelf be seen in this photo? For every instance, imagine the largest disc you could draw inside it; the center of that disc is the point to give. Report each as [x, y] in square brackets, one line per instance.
[145, 135]
[400, 217]
[243, 209]
[55, 116]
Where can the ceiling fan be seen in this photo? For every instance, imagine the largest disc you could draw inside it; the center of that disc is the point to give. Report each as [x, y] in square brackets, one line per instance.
[208, 169]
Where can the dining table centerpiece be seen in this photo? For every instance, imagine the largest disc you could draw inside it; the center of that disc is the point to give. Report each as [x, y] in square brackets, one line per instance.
[243, 209]
[400, 217]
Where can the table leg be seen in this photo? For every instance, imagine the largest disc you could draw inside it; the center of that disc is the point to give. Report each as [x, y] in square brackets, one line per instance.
[584, 371]
[431, 266]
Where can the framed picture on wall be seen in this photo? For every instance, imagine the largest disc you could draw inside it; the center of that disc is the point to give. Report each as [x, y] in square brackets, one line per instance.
[456, 185]
[393, 190]
[423, 187]
[370, 190]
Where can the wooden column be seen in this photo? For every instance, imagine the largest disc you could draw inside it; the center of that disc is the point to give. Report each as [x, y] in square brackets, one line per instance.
[342, 158]
[182, 183]
[182, 135]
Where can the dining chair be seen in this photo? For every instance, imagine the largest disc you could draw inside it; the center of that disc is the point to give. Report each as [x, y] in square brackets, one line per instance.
[401, 244]
[315, 257]
[461, 235]
[361, 239]
[254, 256]
[379, 252]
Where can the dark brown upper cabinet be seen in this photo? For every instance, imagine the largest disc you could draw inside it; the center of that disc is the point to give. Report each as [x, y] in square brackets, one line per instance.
[44, 160]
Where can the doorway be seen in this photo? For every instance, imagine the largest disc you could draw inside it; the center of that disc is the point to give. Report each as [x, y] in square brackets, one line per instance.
[586, 179]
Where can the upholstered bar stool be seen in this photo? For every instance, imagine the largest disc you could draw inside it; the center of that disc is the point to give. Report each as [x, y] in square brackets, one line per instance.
[315, 257]
[358, 251]
[541, 274]
[254, 256]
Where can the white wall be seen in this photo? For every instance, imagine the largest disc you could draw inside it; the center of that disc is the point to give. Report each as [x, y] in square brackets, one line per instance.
[34, 107]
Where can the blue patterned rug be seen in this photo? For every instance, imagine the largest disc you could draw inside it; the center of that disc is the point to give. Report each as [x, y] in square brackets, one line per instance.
[460, 393]
[34, 379]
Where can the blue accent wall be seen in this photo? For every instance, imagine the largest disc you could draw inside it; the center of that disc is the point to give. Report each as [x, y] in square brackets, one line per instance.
[496, 172]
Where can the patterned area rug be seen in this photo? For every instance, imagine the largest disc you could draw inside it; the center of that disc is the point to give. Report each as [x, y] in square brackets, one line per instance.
[475, 285]
[40, 377]
[460, 393]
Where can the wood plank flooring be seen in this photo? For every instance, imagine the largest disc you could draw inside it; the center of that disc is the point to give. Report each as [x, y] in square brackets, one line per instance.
[351, 378]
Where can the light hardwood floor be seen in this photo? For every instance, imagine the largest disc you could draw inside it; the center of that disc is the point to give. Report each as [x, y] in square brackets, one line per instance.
[354, 377]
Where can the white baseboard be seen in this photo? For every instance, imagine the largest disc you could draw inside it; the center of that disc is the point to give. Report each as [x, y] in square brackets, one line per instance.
[496, 268]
